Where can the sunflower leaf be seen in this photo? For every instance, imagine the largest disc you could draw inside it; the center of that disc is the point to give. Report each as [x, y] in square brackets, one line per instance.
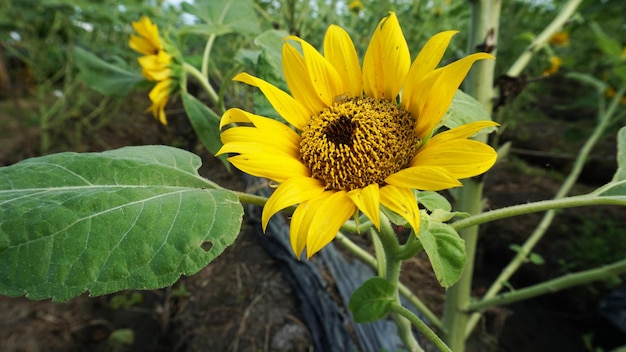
[433, 200]
[132, 218]
[226, 15]
[372, 301]
[446, 252]
[463, 110]
[205, 123]
[104, 77]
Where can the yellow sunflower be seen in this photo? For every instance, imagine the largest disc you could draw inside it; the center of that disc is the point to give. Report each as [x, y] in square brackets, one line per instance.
[348, 144]
[156, 65]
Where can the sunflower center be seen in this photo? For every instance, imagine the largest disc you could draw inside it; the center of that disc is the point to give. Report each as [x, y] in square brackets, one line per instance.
[358, 142]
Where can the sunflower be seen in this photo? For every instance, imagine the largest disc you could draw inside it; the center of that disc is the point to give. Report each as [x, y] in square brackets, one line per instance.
[157, 64]
[347, 143]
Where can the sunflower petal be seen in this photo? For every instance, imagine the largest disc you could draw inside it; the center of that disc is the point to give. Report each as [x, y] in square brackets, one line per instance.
[424, 177]
[328, 216]
[442, 91]
[266, 131]
[279, 168]
[325, 79]
[340, 52]
[368, 201]
[419, 80]
[430, 55]
[463, 131]
[401, 201]
[301, 222]
[293, 191]
[297, 77]
[461, 158]
[386, 61]
[288, 108]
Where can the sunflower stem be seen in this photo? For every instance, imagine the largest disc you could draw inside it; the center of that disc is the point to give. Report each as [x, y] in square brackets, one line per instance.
[203, 80]
[478, 84]
[403, 289]
[421, 326]
[605, 118]
[540, 41]
[393, 264]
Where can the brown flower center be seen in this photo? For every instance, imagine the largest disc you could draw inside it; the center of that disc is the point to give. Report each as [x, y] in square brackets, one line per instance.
[357, 142]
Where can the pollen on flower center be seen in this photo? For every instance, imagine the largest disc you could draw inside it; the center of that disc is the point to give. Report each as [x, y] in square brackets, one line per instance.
[357, 142]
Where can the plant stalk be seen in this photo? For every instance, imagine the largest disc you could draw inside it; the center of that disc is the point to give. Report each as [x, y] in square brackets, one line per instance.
[604, 121]
[479, 84]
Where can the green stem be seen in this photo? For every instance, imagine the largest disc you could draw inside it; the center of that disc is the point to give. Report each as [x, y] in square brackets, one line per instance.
[250, 198]
[604, 121]
[535, 207]
[203, 80]
[403, 289]
[479, 84]
[207, 54]
[554, 285]
[393, 265]
[421, 327]
[566, 12]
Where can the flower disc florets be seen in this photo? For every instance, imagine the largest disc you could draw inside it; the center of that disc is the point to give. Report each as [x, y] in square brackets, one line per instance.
[357, 142]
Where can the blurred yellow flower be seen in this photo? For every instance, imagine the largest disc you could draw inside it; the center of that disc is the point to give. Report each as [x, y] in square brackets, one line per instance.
[355, 6]
[559, 38]
[348, 145]
[610, 93]
[555, 65]
[156, 65]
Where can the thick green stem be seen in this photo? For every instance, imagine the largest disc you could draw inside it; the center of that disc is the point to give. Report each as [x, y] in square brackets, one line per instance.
[404, 291]
[536, 207]
[566, 12]
[604, 121]
[203, 80]
[479, 84]
[393, 265]
[560, 283]
[421, 327]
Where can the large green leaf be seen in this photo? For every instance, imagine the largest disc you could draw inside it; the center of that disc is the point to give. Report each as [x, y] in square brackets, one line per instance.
[107, 78]
[446, 252]
[132, 218]
[223, 16]
[372, 301]
[206, 124]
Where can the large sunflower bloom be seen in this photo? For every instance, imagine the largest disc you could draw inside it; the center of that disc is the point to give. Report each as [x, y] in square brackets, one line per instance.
[352, 146]
[156, 65]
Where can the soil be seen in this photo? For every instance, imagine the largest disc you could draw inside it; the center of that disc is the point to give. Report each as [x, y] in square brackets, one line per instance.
[240, 302]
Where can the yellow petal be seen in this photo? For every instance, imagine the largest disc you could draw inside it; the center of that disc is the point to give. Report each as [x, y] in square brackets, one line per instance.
[462, 158]
[430, 55]
[250, 140]
[325, 79]
[301, 222]
[402, 202]
[423, 177]
[141, 45]
[293, 191]
[288, 108]
[368, 201]
[328, 216]
[150, 42]
[267, 131]
[340, 52]
[442, 91]
[159, 95]
[279, 168]
[386, 61]
[463, 131]
[297, 77]
[413, 95]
